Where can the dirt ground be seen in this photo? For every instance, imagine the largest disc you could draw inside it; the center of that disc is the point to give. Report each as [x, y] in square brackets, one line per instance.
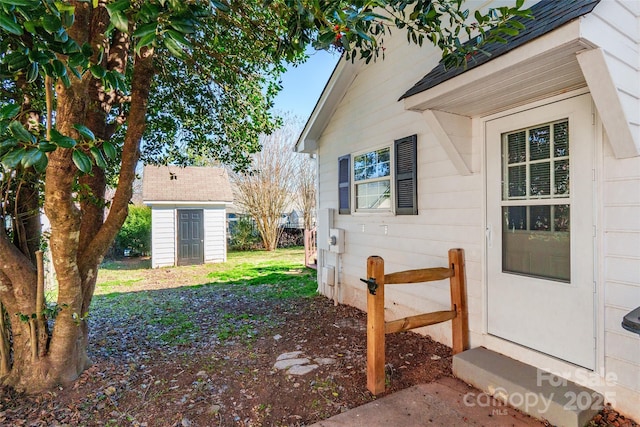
[210, 380]
[228, 380]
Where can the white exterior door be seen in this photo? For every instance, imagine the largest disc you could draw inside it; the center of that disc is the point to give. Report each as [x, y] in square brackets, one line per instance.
[540, 228]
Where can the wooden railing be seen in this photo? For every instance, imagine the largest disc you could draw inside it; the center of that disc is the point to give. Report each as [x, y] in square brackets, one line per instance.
[310, 248]
[377, 327]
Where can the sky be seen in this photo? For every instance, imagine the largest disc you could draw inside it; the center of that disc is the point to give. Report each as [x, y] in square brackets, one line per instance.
[302, 85]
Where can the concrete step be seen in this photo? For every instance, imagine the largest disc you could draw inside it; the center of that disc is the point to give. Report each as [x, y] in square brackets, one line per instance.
[445, 403]
[537, 393]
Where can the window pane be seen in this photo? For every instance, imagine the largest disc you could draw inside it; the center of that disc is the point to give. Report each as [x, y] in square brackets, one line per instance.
[539, 143]
[517, 147]
[540, 218]
[359, 165]
[383, 155]
[533, 252]
[561, 218]
[374, 195]
[561, 139]
[540, 179]
[370, 172]
[561, 177]
[371, 165]
[515, 218]
[517, 181]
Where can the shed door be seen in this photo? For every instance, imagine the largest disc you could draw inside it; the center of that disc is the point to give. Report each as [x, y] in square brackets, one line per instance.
[190, 237]
[540, 229]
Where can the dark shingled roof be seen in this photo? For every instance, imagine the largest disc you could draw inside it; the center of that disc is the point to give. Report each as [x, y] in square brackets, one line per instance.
[548, 15]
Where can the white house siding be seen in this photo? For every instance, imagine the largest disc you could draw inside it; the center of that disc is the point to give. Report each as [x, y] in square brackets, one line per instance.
[215, 237]
[449, 205]
[621, 273]
[614, 25]
[163, 231]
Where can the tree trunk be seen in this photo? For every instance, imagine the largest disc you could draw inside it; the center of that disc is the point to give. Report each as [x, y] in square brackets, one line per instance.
[80, 233]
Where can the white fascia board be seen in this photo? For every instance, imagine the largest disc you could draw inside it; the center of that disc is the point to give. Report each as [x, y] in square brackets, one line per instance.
[335, 89]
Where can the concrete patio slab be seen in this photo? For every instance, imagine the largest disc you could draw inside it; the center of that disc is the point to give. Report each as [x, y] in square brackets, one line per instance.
[446, 402]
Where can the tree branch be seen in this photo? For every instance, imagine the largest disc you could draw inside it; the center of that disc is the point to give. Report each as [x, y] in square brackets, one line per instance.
[143, 72]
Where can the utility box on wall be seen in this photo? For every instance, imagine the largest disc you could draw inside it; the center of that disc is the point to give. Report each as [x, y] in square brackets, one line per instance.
[328, 276]
[336, 240]
[325, 222]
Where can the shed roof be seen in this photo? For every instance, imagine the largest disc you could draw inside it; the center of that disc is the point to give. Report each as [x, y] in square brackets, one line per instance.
[185, 184]
[548, 15]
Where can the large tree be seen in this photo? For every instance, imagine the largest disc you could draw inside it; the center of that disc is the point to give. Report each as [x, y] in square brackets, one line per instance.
[80, 80]
[267, 189]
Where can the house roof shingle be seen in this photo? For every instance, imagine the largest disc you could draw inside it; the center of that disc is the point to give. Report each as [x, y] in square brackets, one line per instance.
[548, 15]
[186, 184]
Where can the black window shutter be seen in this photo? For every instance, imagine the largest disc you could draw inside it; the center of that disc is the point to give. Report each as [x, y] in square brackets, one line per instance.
[344, 184]
[406, 153]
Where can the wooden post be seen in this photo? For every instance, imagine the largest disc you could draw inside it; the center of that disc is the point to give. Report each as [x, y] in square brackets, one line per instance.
[307, 249]
[460, 323]
[375, 327]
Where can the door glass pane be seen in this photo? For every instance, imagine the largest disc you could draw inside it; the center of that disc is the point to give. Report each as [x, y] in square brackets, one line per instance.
[561, 139]
[540, 179]
[536, 249]
[517, 181]
[540, 218]
[561, 177]
[539, 143]
[517, 147]
[536, 235]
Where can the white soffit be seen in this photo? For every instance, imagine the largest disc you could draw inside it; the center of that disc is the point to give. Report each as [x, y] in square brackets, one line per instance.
[544, 67]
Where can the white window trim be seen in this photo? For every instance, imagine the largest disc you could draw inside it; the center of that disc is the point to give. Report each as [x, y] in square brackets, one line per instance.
[391, 177]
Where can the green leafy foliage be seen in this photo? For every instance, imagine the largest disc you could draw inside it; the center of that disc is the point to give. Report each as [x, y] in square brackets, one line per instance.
[243, 235]
[135, 233]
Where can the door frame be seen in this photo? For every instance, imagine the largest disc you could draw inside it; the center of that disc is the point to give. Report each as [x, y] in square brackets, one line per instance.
[517, 351]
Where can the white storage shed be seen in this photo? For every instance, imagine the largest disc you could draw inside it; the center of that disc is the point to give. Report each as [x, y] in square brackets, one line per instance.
[188, 214]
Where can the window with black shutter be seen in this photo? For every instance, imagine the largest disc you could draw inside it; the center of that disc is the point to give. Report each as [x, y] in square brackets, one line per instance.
[406, 176]
[344, 184]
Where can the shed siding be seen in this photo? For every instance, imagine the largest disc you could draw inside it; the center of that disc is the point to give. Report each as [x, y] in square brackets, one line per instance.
[163, 233]
[615, 26]
[215, 238]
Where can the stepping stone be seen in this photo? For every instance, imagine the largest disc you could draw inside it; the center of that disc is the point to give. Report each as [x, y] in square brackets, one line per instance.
[287, 363]
[301, 369]
[289, 355]
[324, 360]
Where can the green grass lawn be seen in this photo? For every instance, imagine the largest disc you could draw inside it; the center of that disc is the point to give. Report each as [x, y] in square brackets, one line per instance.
[174, 304]
[278, 268]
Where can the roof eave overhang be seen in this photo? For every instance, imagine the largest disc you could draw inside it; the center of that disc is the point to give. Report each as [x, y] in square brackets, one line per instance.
[335, 89]
[558, 62]
[522, 75]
